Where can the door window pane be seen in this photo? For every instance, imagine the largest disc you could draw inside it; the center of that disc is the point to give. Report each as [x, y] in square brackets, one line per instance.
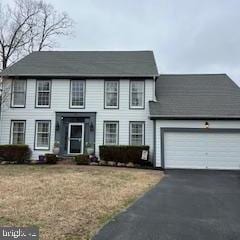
[76, 131]
[76, 146]
[76, 138]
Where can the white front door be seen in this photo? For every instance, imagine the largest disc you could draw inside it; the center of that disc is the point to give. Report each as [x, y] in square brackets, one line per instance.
[75, 138]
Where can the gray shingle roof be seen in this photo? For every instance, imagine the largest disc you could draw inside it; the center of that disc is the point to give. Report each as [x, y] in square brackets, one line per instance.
[85, 63]
[196, 96]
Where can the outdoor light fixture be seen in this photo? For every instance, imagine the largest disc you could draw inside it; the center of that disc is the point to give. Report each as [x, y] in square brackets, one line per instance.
[91, 127]
[57, 126]
[206, 125]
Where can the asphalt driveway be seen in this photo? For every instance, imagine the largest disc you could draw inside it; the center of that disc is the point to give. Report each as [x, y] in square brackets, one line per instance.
[186, 205]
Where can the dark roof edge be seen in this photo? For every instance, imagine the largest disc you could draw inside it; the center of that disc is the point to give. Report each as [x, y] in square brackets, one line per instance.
[78, 75]
[169, 117]
[192, 74]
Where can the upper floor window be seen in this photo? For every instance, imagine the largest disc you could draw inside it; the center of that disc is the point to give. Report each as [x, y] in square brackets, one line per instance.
[18, 93]
[77, 94]
[18, 132]
[137, 94]
[111, 133]
[43, 94]
[137, 133]
[111, 94]
[42, 134]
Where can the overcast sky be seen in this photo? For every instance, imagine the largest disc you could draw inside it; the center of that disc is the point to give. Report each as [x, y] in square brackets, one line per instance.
[187, 36]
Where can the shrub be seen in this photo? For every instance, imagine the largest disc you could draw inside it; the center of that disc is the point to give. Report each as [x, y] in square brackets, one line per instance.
[15, 153]
[51, 158]
[123, 154]
[82, 159]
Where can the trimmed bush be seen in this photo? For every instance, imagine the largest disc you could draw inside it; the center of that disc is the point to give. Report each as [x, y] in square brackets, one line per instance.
[123, 154]
[82, 159]
[51, 158]
[15, 153]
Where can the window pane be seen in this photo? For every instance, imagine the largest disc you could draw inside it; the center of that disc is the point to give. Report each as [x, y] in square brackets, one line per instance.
[112, 99]
[42, 139]
[111, 133]
[137, 133]
[19, 86]
[112, 86]
[43, 127]
[18, 132]
[18, 138]
[43, 86]
[137, 99]
[111, 94]
[18, 127]
[18, 98]
[42, 135]
[77, 93]
[136, 140]
[137, 94]
[43, 94]
[43, 98]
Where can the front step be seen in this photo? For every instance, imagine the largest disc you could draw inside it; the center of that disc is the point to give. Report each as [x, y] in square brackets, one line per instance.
[66, 160]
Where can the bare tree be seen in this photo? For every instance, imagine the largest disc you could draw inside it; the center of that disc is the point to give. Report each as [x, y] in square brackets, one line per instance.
[29, 25]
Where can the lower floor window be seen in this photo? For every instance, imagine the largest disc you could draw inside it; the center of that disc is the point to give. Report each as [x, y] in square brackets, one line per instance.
[137, 133]
[42, 135]
[18, 132]
[111, 133]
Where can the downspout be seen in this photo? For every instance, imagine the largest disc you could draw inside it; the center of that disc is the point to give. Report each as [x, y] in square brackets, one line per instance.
[154, 123]
[154, 88]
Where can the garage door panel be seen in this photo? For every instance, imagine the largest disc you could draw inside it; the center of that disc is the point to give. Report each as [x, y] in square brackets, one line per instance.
[211, 150]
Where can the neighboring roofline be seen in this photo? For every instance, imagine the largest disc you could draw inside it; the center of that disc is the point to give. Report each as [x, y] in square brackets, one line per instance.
[195, 117]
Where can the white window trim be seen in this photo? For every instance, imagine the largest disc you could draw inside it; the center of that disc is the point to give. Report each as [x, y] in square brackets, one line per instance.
[117, 133]
[24, 132]
[105, 94]
[130, 97]
[84, 94]
[49, 135]
[143, 131]
[50, 92]
[12, 100]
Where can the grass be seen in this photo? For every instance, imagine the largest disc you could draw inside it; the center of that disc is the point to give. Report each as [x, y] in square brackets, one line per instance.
[68, 202]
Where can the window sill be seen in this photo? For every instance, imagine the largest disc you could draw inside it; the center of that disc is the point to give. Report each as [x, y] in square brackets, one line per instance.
[17, 106]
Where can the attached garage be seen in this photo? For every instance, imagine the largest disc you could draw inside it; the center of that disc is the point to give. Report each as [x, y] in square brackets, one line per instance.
[196, 122]
[201, 148]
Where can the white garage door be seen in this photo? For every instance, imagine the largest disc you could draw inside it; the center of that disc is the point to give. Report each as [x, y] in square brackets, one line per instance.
[202, 150]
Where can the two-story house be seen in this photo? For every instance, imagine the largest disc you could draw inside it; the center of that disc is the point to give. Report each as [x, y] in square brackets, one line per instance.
[118, 98]
[79, 98]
